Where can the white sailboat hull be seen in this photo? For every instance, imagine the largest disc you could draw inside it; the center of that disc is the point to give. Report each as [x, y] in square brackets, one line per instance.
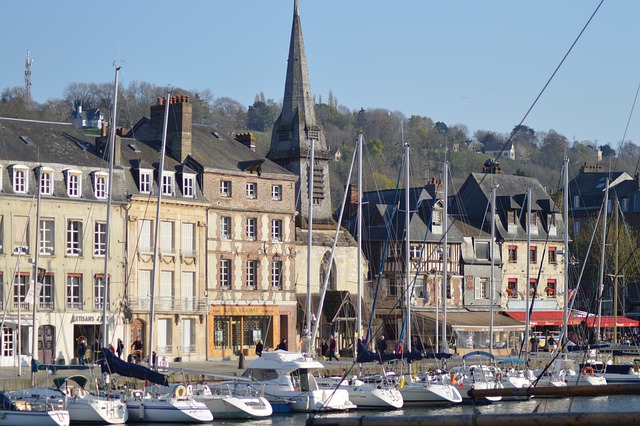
[167, 410]
[430, 393]
[34, 418]
[236, 407]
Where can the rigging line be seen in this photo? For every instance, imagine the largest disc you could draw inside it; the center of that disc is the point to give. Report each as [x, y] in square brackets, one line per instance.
[629, 120]
[516, 128]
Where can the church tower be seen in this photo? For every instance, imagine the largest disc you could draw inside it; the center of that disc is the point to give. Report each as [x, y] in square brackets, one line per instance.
[296, 127]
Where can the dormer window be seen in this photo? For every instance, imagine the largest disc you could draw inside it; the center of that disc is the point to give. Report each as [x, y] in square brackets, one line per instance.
[167, 184]
[188, 185]
[100, 182]
[73, 182]
[225, 188]
[20, 179]
[145, 181]
[46, 181]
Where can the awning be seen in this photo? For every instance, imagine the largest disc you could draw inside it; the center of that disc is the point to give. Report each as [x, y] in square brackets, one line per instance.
[609, 323]
[474, 321]
[542, 318]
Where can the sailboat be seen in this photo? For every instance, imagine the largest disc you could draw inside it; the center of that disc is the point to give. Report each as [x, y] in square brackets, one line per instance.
[21, 413]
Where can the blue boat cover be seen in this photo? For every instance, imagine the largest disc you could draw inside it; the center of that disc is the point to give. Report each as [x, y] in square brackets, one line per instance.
[110, 364]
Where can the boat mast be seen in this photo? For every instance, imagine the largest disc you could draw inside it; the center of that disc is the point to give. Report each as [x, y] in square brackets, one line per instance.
[312, 151]
[358, 327]
[602, 251]
[445, 216]
[105, 277]
[528, 283]
[565, 199]
[407, 258]
[615, 276]
[157, 231]
[492, 278]
[36, 293]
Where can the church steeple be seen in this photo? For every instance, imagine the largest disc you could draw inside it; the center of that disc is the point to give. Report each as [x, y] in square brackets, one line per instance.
[296, 126]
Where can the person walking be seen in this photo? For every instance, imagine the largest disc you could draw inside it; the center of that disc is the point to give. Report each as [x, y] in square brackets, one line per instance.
[82, 350]
[324, 348]
[333, 346]
[259, 348]
[382, 345]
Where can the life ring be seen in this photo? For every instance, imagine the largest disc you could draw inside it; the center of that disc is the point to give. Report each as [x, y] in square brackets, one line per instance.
[587, 370]
[454, 378]
[180, 392]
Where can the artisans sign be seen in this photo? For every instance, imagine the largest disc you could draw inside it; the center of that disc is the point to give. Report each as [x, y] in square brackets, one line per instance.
[86, 318]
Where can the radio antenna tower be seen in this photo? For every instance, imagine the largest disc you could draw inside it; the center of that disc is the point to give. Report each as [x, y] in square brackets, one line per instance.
[27, 75]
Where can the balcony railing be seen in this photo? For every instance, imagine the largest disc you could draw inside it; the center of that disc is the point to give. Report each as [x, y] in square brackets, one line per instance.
[24, 306]
[170, 304]
[165, 349]
[76, 306]
[46, 306]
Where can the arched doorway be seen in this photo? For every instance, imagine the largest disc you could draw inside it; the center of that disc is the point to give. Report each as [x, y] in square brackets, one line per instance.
[136, 332]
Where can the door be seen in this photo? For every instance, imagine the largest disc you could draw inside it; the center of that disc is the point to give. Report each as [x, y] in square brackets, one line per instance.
[8, 347]
[46, 344]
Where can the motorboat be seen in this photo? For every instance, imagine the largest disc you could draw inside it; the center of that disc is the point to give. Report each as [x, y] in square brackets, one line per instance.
[379, 396]
[240, 400]
[155, 405]
[289, 383]
[476, 373]
[82, 405]
[614, 374]
[36, 413]
[429, 388]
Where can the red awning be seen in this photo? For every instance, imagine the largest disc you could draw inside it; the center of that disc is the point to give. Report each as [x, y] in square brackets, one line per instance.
[608, 322]
[542, 318]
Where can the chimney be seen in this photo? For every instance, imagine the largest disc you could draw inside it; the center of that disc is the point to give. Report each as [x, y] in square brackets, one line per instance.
[179, 126]
[248, 140]
[435, 188]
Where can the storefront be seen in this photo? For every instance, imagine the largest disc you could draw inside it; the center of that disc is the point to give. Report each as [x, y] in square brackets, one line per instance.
[235, 329]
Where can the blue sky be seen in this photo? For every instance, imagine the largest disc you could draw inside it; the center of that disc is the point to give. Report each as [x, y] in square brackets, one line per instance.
[479, 63]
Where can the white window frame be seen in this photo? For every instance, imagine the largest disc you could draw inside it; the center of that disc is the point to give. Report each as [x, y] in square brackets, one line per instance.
[276, 230]
[20, 231]
[225, 188]
[188, 185]
[276, 192]
[167, 240]
[74, 183]
[20, 180]
[145, 181]
[46, 181]
[276, 274]
[252, 274]
[187, 287]
[99, 239]
[99, 290]
[146, 236]
[144, 288]
[47, 293]
[225, 227]
[74, 291]
[251, 230]
[188, 243]
[225, 274]
[167, 183]
[101, 185]
[47, 236]
[252, 190]
[74, 237]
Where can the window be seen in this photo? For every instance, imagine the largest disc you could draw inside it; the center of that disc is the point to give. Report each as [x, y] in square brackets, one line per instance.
[436, 217]
[533, 255]
[511, 217]
[225, 188]
[166, 294]
[100, 239]
[276, 274]
[188, 185]
[415, 250]
[187, 286]
[20, 231]
[74, 291]
[188, 335]
[188, 239]
[482, 250]
[100, 185]
[252, 274]
[225, 273]
[74, 237]
[99, 291]
[576, 201]
[553, 258]
[20, 286]
[47, 240]
[552, 220]
[46, 182]
[276, 192]
[164, 336]
[252, 190]
[167, 184]
[576, 227]
[276, 230]
[73, 183]
[512, 288]
[167, 245]
[47, 293]
[145, 181]
[532, 286]
[1, 231]
[146, 239]
[513, 254]
[483, 289]
[225, 228]
[550, 289]
[144, 289]
[252, 225]
[394, 287]
[20, 181]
